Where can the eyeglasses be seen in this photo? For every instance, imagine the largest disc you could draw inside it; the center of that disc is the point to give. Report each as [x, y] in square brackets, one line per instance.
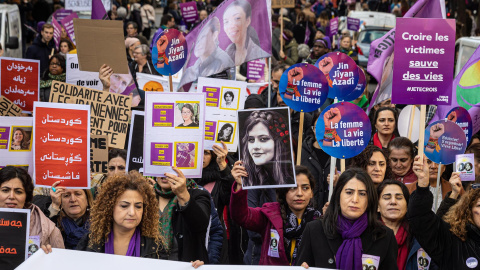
[136, 53]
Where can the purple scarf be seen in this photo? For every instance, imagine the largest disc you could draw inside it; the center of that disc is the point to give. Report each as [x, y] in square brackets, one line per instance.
[349, 254]
[133, 246]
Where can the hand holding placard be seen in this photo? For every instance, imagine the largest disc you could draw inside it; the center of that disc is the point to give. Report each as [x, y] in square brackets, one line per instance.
[238, 172]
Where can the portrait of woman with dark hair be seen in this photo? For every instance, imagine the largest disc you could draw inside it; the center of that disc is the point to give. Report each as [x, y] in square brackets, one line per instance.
[20, 139]
[225, 133]
[189, 116]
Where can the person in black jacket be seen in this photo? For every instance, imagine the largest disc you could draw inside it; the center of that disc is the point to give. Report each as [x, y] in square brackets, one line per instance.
[452, 243]
[349, 236]
[43, 46]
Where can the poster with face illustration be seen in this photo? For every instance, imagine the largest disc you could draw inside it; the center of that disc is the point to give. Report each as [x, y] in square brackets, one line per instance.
[16, 137]
[462, 118]
[170, 52]
[223, 98]
[174, 130]
[266, 148]
[443, 141]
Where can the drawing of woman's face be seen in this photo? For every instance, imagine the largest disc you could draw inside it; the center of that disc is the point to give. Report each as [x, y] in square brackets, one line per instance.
[260, 144]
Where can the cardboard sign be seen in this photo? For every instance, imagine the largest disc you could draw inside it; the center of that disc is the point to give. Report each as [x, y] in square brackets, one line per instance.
[462, 118]
[174, 133]
[353, 24]
[16, 142]
[100, 42]
[443, 141]
[109, 111]
[20, 81]
[81, 78]
[283, 3]
[98, 153]
[67, 23]
[466, 166]
[135, 142]
[343, 130]
[61, 144]
[81, 5]
[303, 87]
[170, 52]
[189, 12]
[8, 108]
[423, 62]
[14, 234]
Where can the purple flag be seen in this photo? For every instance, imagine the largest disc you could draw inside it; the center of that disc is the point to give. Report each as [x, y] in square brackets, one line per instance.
[237, 31]
[67, 22]
[57, 31]
[381, 50]
[98, 11]
[189, 11]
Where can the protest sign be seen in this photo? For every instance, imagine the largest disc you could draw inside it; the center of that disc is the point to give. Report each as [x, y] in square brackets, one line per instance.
[100, 42]
[361, 85]
[81, 78]
[462, 118]
[213, 43]
[223, 99]
[409, 123]
[20, 81]
[341, 72]
[333, 26]
[283, 3]
[343, 130]
[189, 11]
[57, 31]
[8, 108]
[135, 142]
[256, 70]
[155, 83]
[303, 87]
[465, 166]
[67, 23]
[83, 5]
[98, 153]
[170, 53]
[174, 133]
[16, 142]
[61, 144]
[15, 225]
[353, 24]
[109, 111]
[266, 143]
[445, 140]
[424, 61]
[61, 13]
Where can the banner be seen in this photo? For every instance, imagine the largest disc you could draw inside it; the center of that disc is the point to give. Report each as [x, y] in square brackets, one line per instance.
[223, 99]
[98, 154]
[189, 11]
[98, 11]
[135, 142]
[67, 23]
[109, 112]
[57, 31]
[16, 142]
[61, 144]
[14, 234]
[8, 108]
[81, 78]
[20, 81]
[424, 63]
[213, 44]
[174, 133]
[82, 5]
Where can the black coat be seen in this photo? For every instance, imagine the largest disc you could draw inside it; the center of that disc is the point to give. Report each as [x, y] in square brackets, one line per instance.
[40, 51]
[317, 250]
[434, 235]
[148, 247]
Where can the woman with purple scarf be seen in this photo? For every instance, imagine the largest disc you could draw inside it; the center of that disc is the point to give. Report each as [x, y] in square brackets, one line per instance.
[349, 236]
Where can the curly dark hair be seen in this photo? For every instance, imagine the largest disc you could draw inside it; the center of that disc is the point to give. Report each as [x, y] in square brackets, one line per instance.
[361, 161]
[10, 172]
[101, 215]
[461, 214]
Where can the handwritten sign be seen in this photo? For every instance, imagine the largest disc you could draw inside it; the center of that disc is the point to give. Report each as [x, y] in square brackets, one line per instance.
[109, 111]
[20, 81]
[14, 230]
[98, 153]
[61, 144]
[8, 108]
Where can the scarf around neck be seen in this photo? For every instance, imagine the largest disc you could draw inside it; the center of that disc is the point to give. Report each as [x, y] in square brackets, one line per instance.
[133, 247]
[349, 254]
[401, 237]
[376, 140]
[292, 230]
[47, 83]
[73, 232]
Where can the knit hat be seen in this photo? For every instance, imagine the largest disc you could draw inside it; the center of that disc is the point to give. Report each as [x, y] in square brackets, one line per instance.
[129, 41]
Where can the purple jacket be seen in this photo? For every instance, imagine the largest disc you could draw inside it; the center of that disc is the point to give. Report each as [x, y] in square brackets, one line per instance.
[261, 220]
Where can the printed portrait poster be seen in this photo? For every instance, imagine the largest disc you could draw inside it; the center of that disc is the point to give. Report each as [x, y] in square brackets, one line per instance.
[174, 133]
[443, 141]
[212, 45]
[424, 61]
[343, 130]
[135, 142]
[14, 232]
[16, 142]
[8, 108]
[20, 81]
[462, 118]
[266, 148]
[223, 98]
[61, 144]
[466, 166]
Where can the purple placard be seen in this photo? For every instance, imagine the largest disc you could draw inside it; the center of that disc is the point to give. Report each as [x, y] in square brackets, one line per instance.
[353, 24]
[161, 154]
[163, 114]
[4, 133]
[189, 11]
[333, 26]
[212, 96]
[466, 166]
[60, 14]
[255, 70]
[210, 128]
[423, 61]
[67, 22]
[57, 31]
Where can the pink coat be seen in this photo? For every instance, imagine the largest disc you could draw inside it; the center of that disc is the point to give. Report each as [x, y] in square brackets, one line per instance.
[45, 228]
[261, 220]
